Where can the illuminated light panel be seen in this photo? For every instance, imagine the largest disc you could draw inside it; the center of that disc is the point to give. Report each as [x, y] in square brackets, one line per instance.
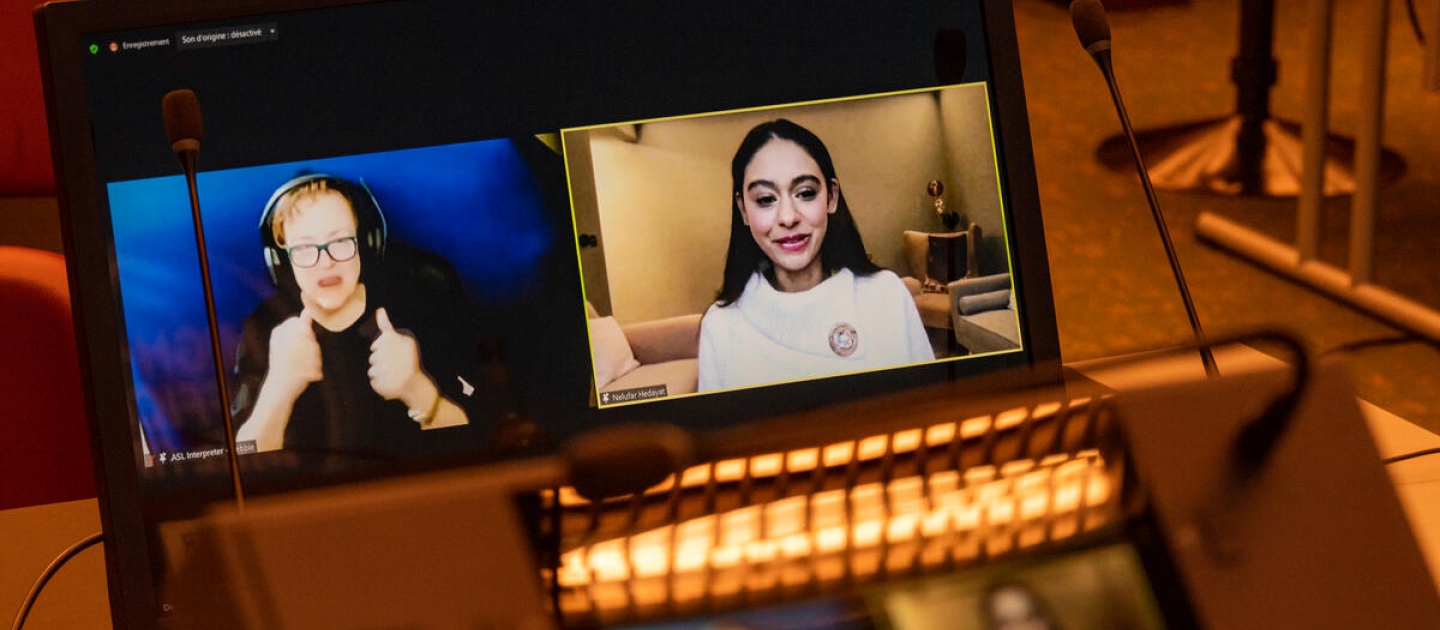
[907, 494]
[1097, 491]
[1007, 419]
[928, 521]
[830, 539]
[979, 475]
[770, 465]
[838, 454]
[695, 476]
[1046, 410]
[906, 441]
[795, 546]
[785, 517]
[935, 523]
[996, 513]
[867, 533]
[607, 561]
[740, 526]
[873, 447]
[940, 434]
[1053, 460]
[650, 552]
[803, 460]
[974, 427]
[1017, 467]
[663, 486]
[727, 556]
[902, 527]
[827, 508]
[944, 481]
[730, 470]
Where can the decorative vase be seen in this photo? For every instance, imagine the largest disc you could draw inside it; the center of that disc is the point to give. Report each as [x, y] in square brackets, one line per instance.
[950, 219]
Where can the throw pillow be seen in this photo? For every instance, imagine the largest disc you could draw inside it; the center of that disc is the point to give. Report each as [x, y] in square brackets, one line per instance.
[611, 351]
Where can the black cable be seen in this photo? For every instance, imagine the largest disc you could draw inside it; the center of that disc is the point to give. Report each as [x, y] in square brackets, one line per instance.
[49, 572]
[1259, 436]
[1378, 342]
[1409, 456]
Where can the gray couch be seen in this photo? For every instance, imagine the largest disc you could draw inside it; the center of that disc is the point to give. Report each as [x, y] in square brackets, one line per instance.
[983, 313]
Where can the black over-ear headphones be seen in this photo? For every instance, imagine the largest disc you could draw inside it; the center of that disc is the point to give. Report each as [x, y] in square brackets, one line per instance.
[370, 229]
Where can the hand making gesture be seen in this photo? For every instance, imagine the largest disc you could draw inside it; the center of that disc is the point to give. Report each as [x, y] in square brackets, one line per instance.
[395, 372]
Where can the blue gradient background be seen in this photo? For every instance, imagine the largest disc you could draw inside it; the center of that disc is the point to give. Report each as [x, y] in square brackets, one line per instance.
[475, 204]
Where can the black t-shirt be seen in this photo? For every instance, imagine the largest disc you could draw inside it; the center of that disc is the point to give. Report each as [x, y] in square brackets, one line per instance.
[341, 415]
[341, 412]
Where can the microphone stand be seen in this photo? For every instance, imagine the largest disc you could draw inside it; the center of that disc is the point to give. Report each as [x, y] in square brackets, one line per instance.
[1206, 357]
[188, 159]
[1094, 32]
[187, 149]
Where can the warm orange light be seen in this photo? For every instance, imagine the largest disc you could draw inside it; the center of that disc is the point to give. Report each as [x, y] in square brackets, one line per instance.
[1007, 419]
[695, 476]
[785, 517]
[838, 454]
[867, 533]
[974, 427]
[769, 465]
[873, 447]
[803, 460]
[650, 552]
[830, 539]
[730, 470]
[906, 441]
[940, 434]
[1046, 410]
[943, 517]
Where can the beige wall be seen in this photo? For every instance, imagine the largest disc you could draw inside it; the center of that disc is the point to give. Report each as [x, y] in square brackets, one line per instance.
[662, 189]
[972, 187]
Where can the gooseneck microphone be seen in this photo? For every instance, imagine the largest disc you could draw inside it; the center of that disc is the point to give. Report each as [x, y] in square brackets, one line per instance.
[1088, 16]
[181, 111]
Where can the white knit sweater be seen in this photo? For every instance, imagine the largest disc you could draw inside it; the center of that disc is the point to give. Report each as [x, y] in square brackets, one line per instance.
[844, 324]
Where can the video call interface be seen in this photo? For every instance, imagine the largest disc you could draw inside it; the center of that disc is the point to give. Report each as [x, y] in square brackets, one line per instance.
[414, 246]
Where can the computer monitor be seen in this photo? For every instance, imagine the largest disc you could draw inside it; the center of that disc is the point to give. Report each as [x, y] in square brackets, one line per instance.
[445, 233]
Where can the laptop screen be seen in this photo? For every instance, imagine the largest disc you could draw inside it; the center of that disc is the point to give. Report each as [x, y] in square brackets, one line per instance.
[453, 232]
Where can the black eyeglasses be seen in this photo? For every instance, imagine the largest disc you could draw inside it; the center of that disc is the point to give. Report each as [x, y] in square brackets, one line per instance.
[339, 250]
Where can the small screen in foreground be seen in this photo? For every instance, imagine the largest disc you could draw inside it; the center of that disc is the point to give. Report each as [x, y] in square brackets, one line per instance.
[1103, 588]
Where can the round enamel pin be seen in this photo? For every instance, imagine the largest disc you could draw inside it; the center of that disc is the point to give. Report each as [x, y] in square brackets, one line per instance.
[844, 339]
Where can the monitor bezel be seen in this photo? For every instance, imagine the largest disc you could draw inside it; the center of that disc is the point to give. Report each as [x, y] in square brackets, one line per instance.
[90, 253]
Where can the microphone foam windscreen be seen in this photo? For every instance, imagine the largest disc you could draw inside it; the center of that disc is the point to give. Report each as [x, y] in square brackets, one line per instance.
[182, 116]
[1088, 16]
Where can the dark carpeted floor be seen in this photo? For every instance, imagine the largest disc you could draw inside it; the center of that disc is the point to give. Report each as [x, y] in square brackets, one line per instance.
[1113, 289]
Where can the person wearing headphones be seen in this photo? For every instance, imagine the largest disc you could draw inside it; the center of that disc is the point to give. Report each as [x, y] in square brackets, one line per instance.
[346, 358]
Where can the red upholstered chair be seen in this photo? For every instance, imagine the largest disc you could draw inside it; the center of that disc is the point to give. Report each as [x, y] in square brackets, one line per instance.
[44, 440]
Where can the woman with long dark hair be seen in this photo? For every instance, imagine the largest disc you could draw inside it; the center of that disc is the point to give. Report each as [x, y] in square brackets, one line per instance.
[800, 297]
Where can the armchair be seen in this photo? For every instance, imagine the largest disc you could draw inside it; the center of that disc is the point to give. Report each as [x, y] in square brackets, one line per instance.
[983, 313]
[933, 262]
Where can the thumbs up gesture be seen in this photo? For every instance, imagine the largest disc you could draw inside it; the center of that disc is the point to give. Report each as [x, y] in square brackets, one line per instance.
[294, 355]
[394, 362]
